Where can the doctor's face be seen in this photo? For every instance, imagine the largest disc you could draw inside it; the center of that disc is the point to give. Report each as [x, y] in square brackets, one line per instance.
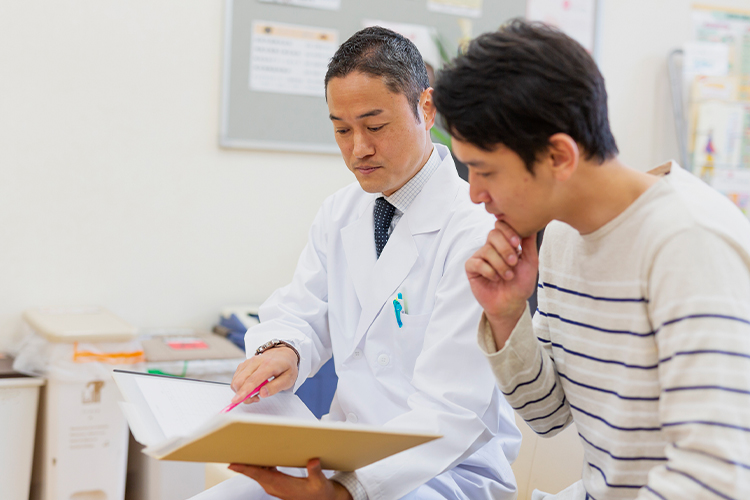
[499, 179]
[381, 140]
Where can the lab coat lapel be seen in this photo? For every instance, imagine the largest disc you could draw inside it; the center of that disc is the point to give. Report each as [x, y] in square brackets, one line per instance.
[426, 214]
[359, 247]
[394, 264]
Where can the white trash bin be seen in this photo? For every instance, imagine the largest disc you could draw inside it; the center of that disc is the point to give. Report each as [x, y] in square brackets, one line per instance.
[83, 433]
[19, 398]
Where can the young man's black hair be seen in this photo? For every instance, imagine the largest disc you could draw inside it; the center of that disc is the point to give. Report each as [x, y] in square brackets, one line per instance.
[520, 85]
[383, 53]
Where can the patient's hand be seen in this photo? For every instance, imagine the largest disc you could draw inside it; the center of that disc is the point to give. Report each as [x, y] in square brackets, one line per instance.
[279, 362]
[502, 278]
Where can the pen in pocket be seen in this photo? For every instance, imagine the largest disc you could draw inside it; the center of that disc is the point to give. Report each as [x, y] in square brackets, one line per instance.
[404, 303]
[398, 308]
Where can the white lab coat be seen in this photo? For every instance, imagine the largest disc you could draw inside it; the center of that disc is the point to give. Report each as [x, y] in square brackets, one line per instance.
[428, 375]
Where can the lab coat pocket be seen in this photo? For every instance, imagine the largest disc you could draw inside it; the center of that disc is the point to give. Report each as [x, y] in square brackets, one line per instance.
[410, 339]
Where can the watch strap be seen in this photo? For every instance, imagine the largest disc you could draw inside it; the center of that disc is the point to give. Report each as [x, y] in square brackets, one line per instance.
[277, 343]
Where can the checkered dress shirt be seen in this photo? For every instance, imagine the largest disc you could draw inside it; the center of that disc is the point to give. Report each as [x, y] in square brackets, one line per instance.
[402, 198]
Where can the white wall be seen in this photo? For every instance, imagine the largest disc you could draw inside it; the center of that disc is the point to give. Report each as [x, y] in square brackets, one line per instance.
[636, 37]
[113, 189]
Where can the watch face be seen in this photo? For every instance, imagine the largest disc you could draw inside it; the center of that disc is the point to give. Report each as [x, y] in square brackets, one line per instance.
[268, 345]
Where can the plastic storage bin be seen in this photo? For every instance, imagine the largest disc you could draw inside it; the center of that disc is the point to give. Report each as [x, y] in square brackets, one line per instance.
[19, 398]
[84, 436]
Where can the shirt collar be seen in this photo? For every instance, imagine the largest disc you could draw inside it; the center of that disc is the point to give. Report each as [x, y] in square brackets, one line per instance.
[402, 198]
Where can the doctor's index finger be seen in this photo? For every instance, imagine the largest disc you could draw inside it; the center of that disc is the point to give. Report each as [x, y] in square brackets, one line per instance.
[279, 364]
[250, 383]
[243, 371]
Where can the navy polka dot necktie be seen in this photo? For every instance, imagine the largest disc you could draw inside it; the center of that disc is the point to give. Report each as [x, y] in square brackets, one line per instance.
[383, 215]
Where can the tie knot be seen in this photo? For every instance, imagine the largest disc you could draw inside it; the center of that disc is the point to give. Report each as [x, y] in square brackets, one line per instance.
[382, 215]
[382, 205]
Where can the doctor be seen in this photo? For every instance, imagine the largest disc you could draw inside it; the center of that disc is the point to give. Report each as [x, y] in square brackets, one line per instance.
[407, 226]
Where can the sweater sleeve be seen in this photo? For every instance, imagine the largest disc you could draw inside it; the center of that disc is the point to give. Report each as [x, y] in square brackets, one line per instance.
[526, 375]
[702, 324]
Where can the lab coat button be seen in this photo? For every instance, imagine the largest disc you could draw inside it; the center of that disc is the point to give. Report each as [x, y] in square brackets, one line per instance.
[383, 359]
[357, 354]
[352, 418]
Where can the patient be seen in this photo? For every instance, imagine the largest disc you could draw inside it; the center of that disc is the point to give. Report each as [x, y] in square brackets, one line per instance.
[642, 333]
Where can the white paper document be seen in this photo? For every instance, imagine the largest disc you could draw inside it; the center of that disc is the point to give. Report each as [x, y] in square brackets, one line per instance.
[161, 409]
[467, 8]
[719, 134]
[181, 419]
[423, 37]
[290, 59]
[728, 27]
[575, 18]
[734, 184]
[182, 407]
[312, 4]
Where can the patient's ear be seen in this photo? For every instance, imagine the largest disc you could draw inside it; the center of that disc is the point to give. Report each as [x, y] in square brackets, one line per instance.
[563, 155]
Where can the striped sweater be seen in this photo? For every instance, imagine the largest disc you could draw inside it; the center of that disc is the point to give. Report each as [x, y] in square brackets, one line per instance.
[642, 337]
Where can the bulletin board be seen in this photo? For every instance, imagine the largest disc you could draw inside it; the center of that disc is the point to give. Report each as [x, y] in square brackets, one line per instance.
[275, 53]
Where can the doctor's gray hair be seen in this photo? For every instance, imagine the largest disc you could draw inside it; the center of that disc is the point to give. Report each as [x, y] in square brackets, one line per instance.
[380, 52]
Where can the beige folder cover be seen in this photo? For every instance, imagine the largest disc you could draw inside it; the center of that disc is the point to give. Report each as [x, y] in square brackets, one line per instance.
[277, 431]
[288, 445]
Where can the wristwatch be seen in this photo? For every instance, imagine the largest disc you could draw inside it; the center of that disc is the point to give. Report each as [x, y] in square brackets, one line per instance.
[276, 343]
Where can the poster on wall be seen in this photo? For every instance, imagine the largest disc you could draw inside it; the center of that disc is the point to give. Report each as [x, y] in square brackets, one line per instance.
[734, 184]
[729, 27]
[311, 4]
[290, 59]
[716, 70]
[719, 135]
[575, 18]
[421, 36]
[463, 8]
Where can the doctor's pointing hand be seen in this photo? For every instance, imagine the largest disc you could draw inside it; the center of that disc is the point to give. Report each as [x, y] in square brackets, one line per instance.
[279, 363]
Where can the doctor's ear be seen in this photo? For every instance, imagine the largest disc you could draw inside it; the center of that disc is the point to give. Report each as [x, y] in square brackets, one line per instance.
[562, 156]
[426, 108]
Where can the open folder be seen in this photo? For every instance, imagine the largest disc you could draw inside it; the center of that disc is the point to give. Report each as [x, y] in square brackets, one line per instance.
[179, 419]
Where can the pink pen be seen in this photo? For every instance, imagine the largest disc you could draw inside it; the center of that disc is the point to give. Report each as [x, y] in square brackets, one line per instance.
[254, 392]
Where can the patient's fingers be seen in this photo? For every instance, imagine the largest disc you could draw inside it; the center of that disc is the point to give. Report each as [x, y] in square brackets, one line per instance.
[510, 234]
[477, 266]
[505, 249]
